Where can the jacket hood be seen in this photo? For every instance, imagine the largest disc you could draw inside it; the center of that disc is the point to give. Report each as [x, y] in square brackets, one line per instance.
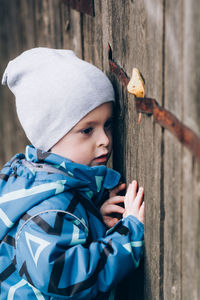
[29, 179]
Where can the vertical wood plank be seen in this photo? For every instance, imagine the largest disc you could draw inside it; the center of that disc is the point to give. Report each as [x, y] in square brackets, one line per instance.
[150, 145]
[191, 167]
[92, 36]
[137, 148]
[17, 21]
[71, 30]
[173, 87]
[48, 24]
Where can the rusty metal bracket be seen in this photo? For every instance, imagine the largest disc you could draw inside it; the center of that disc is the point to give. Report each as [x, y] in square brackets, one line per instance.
[116, 69]
[162, 116]
[84, 6]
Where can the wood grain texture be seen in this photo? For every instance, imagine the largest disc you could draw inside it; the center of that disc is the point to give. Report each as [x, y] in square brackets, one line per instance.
[173, 87]
[128, 25]
[191, 167]
[16, 22]
[71, 30]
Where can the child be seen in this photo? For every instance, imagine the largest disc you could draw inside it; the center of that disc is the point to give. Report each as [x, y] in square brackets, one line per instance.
[61, 236]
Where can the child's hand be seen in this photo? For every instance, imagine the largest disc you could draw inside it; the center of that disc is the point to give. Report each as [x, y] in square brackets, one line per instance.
[111, 210]
[133, 202]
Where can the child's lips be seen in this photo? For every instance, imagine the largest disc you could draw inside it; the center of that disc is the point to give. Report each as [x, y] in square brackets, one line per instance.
[102, 158]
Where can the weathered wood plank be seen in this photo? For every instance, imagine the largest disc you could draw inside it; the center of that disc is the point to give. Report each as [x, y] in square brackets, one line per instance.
[173, 87]
[48, 25]
[92, 36]
[71, 30]
[17, 21]
[126, 28]
[150, 145]
[191, 167]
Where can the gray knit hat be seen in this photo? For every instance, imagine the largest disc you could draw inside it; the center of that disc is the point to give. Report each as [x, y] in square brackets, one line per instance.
[54, 90]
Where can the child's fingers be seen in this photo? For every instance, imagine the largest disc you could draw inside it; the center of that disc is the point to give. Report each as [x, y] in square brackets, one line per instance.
[116, 199]
[131, 192]
[109, 209]
[141, 213]
[112, 222]
[134, 188]
[127, 196]
[117, 189]
[139, 197]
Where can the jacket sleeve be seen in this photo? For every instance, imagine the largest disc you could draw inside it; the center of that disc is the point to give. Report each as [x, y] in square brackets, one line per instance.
[52, 254]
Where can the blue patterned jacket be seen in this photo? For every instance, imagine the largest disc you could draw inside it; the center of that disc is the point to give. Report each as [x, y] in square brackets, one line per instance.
[53, 242]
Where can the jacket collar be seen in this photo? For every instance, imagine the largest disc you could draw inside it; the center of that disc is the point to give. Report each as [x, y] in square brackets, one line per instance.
[95, 178]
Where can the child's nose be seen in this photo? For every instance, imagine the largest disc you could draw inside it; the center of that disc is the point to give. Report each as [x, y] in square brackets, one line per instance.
[103, 139]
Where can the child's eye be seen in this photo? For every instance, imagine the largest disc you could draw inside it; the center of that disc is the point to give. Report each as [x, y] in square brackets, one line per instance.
[87, 130]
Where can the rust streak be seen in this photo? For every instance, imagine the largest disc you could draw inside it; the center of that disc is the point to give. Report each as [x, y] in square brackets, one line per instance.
[167, 120]
[116, 69]
[162, 116]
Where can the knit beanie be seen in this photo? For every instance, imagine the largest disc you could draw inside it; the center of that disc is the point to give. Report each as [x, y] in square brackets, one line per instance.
[54, 90]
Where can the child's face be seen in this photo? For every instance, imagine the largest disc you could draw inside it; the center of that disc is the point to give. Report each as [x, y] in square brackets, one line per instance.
[89, 142]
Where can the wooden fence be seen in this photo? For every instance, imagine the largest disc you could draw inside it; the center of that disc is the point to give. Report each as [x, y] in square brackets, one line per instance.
[162, 39]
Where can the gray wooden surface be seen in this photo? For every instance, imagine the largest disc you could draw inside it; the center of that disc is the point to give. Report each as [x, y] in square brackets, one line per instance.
[162, 39]
[191, 168]
[173, 95]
